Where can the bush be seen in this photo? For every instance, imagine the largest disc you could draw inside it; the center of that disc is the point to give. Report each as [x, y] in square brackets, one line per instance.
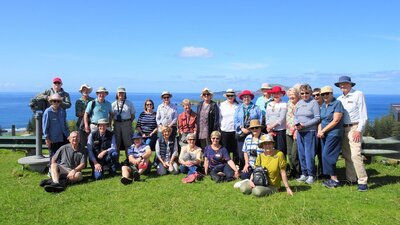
[383, 127]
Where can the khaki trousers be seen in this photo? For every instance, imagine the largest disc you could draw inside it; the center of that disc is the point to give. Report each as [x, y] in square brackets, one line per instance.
[351, 152]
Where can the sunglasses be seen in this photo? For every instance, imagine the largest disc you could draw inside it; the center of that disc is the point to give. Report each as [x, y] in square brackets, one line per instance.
[316, 95]
[254, 128]
[206, 94]
[325, 94]
[304, 93]
[230, 96]
[149, 104]
[166, 97]
[56, 101]
[57, 83]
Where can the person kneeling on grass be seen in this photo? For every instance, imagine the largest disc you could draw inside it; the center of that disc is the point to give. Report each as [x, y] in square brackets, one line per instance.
[66, 165]
[190, 159]
[218, 162]
[167, 152]
[274, 162]
[138, 160]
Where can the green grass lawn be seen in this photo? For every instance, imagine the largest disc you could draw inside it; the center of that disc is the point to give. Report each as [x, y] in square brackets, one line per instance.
[165, 200]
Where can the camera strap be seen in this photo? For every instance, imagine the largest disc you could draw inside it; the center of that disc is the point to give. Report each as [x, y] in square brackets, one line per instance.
[122, 106]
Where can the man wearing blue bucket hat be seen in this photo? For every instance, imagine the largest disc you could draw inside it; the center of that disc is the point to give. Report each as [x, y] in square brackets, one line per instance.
[354, 119]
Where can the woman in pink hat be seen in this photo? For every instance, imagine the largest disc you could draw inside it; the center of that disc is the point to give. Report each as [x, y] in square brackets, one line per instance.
[275, 119]
[246, 112]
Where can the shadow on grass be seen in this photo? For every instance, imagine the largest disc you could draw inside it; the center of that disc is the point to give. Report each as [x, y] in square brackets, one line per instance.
[297, 188]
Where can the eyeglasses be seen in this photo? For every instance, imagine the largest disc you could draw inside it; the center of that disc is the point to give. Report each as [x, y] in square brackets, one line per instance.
[304, 93]
[191, 139]
[149, 104]
[316, 95]
[206, 94]
[230, 96]
[56, 101]
[254, 128]
[215, 138]
[57, 82]
[166, 97]
[324, 94]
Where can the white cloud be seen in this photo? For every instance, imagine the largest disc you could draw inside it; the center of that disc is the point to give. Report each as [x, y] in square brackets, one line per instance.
[247, 66]
[388, 37]
[7, 85]
[195, 52]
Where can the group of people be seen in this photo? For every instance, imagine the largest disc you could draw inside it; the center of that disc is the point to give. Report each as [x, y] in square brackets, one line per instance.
[266, 134]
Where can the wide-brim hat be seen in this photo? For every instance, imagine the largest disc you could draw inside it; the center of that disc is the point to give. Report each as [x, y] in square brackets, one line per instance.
[102, 89]
[166, 93]
[136, 135]
[277, 89]
[246, 92]
[326, 89]
[121, 89]
[264, 139]
[229, 91]
[102, 121]
[266, 86]
[344, 79]
[90, 89]
[55, 97]
[206, 90]
[255, 124]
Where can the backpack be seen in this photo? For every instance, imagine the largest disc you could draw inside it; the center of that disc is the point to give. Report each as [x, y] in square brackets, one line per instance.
[260, 177]
[81, 125]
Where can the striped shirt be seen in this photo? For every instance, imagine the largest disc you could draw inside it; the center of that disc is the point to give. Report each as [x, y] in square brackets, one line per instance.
[250, 146]
[147, 122]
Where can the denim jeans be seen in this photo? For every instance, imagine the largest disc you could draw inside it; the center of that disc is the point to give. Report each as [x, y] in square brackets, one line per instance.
[306, 145]
[331, 146]
[110, 161]
[189, 170]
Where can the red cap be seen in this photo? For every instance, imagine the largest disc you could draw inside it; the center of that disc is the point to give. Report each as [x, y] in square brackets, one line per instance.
[57, 79]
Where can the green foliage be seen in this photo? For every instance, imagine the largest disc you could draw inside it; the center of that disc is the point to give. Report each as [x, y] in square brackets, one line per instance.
[71, 125]
[383, 127]
[165, 200]
[31, 127]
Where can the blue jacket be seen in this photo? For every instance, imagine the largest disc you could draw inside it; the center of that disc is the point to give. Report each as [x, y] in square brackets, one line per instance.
[254, 112]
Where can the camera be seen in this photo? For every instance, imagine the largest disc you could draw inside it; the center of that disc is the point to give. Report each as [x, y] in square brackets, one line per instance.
[119, 118]
[253, 152]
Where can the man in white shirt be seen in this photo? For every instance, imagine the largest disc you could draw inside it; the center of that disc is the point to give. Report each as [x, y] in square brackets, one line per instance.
[355, 119]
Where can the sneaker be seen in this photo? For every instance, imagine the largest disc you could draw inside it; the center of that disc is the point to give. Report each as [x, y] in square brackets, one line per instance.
[362, 187]
[237, 184]
[331, 183]
[310, 180]
[302, 178]
[45, 182]
[136, 176]
[126, 181]
[54, 188]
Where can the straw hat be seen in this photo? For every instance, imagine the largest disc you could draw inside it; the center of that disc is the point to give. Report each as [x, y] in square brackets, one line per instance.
[255, 124]
[266, 86]
[102, 121]
[264, 139]
[229, 91]
[326, 89]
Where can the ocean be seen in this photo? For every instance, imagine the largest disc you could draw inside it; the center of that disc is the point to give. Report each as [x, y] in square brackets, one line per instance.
[14, 106]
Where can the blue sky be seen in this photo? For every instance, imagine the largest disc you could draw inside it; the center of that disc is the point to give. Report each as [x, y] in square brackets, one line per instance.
[184, 46]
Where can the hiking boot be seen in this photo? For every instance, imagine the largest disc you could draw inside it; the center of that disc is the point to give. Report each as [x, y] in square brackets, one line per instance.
[362, 187]
[45, 182]
[331, 183]
[54, 188]
[302, 178]
[136, 176]
[310, 180]
[126, 181]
